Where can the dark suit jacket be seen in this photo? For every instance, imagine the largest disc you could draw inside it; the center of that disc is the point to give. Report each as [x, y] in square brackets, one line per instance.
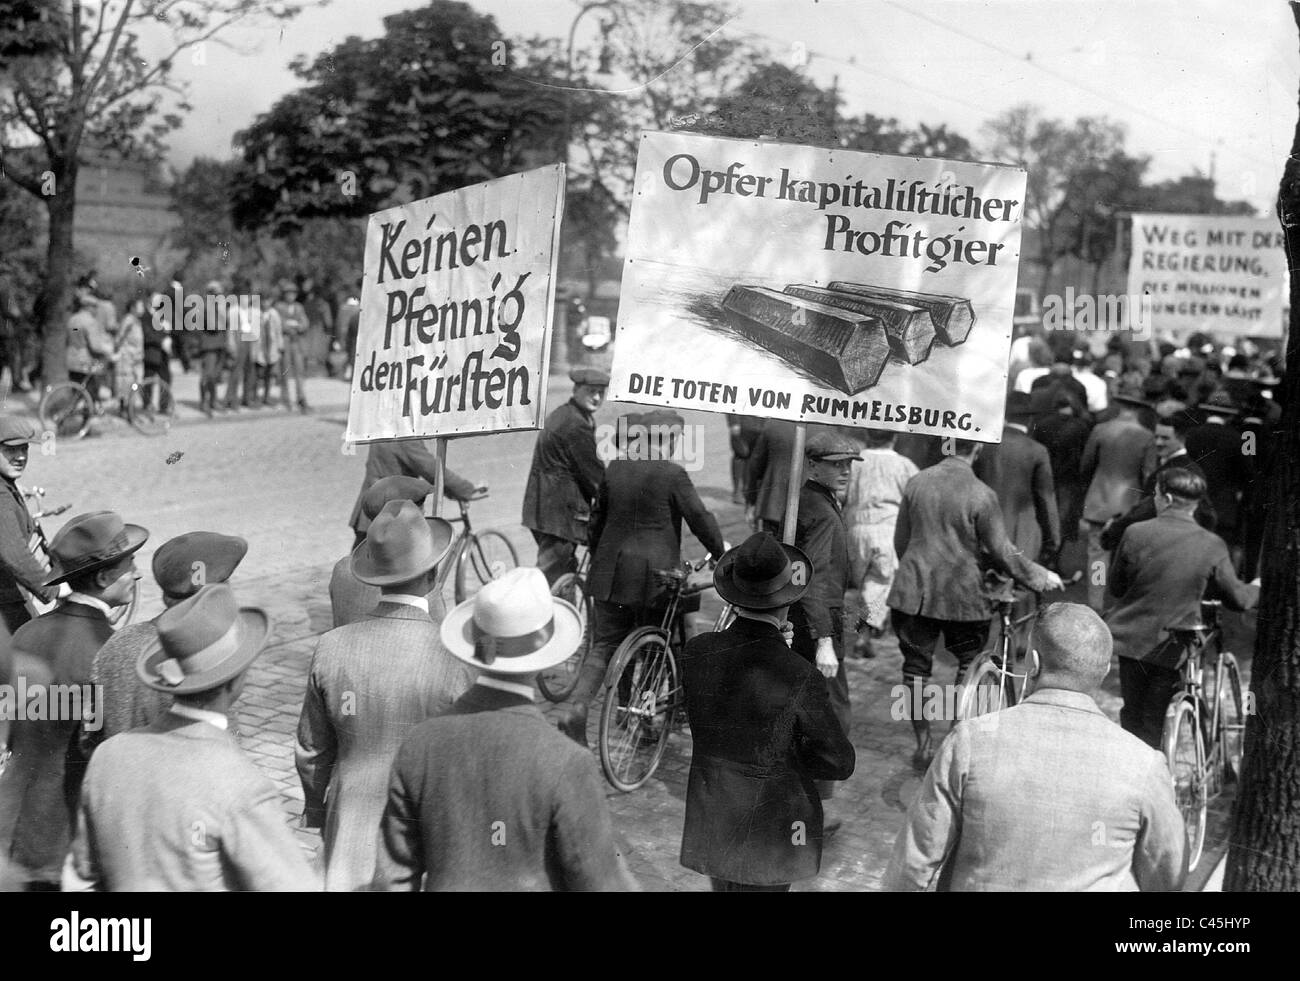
[492, 797]
[1065, 438]
[1217, 450]
[1020, 473]
[564, 476]
[821, 534]
[1145, 509]
[636, 529]
[949, 531]
[406, 458]
[17, 566]
[1160, 573]
[1112, 468]
[352, 600]
[762, 731]
[38, 792]
[767, 472]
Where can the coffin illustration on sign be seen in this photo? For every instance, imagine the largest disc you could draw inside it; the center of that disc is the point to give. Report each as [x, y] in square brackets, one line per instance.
[844, 334]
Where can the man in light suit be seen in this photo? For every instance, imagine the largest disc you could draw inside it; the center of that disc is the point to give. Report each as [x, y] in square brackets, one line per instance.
[350, 598]
[763, 732]
[176, 807]
[949, 532]
[1111, 469]
[1020, 473]
[371, 683]
[489, 796]
[94, 554]
[407, 458]
[1048, 795]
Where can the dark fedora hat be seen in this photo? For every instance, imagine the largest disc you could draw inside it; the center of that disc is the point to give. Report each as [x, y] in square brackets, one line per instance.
[401, 543]
[202, 642]
[396, 488]
[184, 564]
[91, 541]
[761, 573]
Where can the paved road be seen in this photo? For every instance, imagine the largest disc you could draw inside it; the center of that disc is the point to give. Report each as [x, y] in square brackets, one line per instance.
[286, 482]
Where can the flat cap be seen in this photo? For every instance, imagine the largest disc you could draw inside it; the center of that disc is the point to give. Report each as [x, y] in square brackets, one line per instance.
[830, 445]
[594, 377]
[188, 562]
[17, 431]
[662, 417]
[396, 488]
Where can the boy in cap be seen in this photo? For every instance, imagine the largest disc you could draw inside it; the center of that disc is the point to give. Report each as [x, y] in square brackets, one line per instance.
[763, 731]
[565, 475]
[19, 570]
[489, 795]
[176, 807]
[181, 566]
[94, 554]
[370, 684]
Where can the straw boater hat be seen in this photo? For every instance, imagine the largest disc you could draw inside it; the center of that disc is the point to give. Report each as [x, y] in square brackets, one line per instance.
[761, 573]
[91, 541]
[513, 626]
[202, 643]
[401, 543]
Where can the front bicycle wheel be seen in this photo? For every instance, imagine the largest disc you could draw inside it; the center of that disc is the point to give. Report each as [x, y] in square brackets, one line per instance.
[66, 410]
[640, 705]
[150, 408]
[1185, 753]
[487, 555]
[557, 683]
[1232, 720]
[984, 691]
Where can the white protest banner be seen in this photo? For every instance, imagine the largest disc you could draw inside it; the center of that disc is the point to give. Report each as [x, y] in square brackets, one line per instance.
[819, 285]
[1219, 274]
[456, 305]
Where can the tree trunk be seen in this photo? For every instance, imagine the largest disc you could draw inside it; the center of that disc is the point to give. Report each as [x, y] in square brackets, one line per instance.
[1265, 852]
[61, 208]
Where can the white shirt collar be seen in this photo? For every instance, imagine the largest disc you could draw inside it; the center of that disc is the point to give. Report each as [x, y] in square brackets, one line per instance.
[217, 719]
[91, 601]
[406, 599]
[491, 681]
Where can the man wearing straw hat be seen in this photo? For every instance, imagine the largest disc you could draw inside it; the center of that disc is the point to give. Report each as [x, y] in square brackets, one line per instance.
[94, 554]
[490, 796]
[371, 683]
[763, 732]
[176, 807]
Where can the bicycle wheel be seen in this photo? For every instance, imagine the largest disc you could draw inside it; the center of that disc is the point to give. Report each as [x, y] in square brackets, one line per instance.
[557, 683]
[983, 691]
[487, 555]
[640, 704]
[1232, 721]
[123, 615]
[1185, 752]
[66, 410]
[150, 408]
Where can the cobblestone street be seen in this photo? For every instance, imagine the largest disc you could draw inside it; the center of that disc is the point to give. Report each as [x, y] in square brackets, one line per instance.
[286, 483]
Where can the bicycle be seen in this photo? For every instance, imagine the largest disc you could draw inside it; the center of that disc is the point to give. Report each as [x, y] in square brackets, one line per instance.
[1204, 728]
[39, 546]
[68, 408]
[557, 683]
[477, 556]
[643, 687]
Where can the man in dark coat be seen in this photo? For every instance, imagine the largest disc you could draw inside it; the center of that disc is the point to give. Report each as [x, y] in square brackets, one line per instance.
[767, 476]
[1065, 435]
[636, 530]
[489, 795]
[94, 554]
[763, 732]
[949, 533]
[1020, 473]
[1163, 568]
[818, 615]
[19, 570]
[565, 475]
[407, 458]
[1219, 450]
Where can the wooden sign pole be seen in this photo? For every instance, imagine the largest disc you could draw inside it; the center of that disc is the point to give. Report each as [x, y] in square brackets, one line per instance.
[440, 481]
[796, 483]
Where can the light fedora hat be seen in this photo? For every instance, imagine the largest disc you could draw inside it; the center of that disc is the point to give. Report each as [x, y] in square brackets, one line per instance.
[762, 573]
[513, 626]
[401, 543]
[202, 642]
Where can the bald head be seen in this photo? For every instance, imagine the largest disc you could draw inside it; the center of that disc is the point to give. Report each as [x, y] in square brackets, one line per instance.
[1074, 647]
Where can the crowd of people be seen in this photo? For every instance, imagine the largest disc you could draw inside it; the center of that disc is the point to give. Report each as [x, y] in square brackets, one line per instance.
[426, 763]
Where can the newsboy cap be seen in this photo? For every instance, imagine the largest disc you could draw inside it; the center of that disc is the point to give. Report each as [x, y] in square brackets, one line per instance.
[830, 445]
[184, 564]
[594, 377]
[17, 431]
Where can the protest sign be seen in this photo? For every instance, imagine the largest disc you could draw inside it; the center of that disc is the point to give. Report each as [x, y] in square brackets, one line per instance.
[456, 306]
[1217, 274]
[819, 285]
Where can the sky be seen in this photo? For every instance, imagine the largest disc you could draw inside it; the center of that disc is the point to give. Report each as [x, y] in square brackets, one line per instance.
[1197, 83]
